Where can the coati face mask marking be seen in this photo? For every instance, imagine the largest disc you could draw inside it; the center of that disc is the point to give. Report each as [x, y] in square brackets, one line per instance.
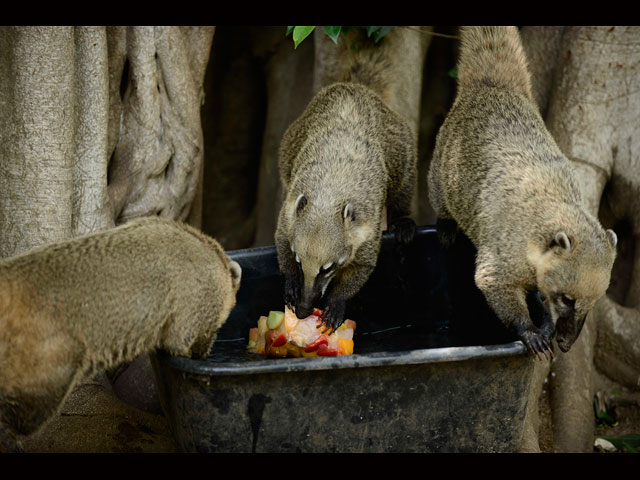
[319, 252]
[571, 286]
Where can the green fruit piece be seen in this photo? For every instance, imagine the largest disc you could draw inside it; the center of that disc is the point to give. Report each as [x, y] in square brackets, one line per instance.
[275, 319]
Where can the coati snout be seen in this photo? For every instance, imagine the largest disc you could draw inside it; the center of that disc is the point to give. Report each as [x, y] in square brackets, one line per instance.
[567, 331]
[321, 249]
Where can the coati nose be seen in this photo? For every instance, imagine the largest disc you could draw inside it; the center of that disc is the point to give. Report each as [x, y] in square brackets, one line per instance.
[303, 311]
[563, 345]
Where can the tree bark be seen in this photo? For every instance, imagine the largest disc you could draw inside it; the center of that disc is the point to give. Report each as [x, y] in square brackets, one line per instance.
[61, 117]
[91, 205]
[542, 46]
[157, 164]
[37, 114]
[288, 79]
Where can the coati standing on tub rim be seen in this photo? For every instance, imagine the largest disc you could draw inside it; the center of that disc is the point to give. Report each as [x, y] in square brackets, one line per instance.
[71, 309]
[347, 164]
[498, 175]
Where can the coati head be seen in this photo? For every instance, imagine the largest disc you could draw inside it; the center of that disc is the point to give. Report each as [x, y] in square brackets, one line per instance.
[326, 234]
[573, 274]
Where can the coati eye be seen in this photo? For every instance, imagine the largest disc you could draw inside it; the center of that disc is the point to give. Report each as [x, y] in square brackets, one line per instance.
[567, 301]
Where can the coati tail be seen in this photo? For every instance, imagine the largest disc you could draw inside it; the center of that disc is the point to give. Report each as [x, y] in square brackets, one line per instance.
[493, 54]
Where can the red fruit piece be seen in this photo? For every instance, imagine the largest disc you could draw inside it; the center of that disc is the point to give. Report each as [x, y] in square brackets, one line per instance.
[269, 338]
[325, 351]
[281, 340]
[313, 346]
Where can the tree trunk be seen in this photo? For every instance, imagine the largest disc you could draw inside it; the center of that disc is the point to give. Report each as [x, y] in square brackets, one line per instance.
[288, 79]
[37, 132]
[157, 164]
[61, 116]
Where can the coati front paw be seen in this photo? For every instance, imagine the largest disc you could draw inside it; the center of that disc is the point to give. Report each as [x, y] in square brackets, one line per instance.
[333, 315]
[540, 315]
[404, 229]
[547, 331]
[536, 342]
[291, 291]
[447, 231]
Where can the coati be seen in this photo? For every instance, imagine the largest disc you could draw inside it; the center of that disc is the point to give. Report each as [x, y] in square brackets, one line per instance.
[71, 309]
[499, 177]
[347, 164]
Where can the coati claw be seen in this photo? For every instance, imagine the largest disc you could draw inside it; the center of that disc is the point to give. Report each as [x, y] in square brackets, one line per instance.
[537, 344]
[447, 231]
[333, 316]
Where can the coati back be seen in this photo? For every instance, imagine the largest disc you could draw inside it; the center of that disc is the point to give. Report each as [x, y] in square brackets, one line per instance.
[71, 309]
[346, 165]
[498, 176]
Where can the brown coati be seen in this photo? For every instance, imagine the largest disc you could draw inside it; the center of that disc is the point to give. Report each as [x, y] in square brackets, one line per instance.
[347, 164]
[498, 176]
[74, 308]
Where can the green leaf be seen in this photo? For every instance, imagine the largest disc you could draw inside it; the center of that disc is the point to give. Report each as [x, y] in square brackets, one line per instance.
[289, 30]
[629, 448]
[333, 33]
[378, 32]
[300, 33]
[630, 441]
[370, 30]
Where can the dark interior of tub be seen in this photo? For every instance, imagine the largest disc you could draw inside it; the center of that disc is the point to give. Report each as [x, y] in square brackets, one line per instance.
[419, 296]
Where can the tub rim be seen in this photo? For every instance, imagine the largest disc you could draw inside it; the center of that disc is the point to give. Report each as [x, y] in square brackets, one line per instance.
[375, 359]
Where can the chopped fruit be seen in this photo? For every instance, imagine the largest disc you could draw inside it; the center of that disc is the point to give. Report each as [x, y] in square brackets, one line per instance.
[269, 339]
[253, 335]
[281, 340]
[290, 320]
[345, 346]
[313, 346]
[282, 334]
[275, 319]
[325, 351]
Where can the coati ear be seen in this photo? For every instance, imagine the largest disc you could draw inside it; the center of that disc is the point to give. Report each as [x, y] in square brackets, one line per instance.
[301, 202]
[561, 240]
[236, 273]
[612, 237]
[348, 213]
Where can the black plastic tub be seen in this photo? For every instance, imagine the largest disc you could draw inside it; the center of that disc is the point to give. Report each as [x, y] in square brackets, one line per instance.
[432, 371]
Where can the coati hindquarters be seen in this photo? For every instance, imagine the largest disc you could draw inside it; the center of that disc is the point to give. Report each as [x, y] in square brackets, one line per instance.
[498, 176]
[346, 165]
[71, 309]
